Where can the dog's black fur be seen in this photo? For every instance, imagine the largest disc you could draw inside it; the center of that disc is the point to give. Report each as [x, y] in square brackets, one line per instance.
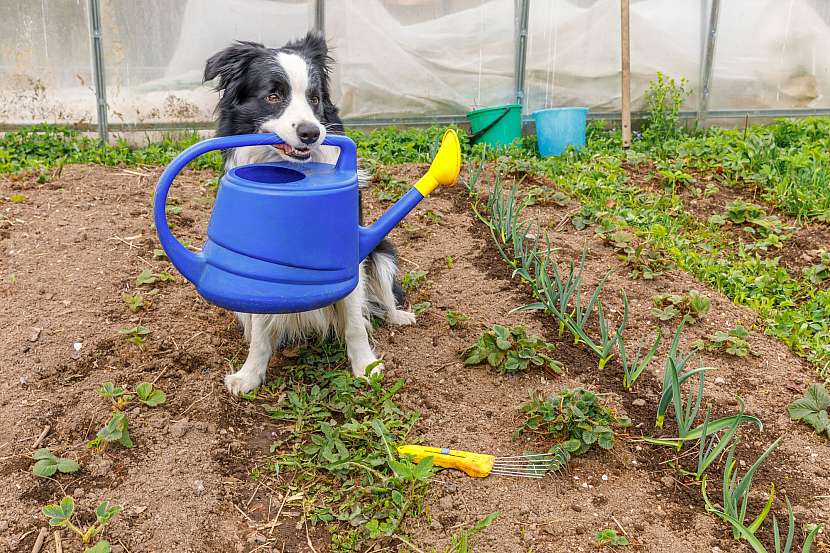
[255, 84]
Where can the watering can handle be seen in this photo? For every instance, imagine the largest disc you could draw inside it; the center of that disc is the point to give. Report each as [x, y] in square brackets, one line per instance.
[188, 263]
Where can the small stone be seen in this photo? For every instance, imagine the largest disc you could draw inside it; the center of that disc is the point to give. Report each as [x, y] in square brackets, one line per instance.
[4, 525]
[436, 524]
[118, 548]
[211, 428]
[135, 412]
[446, 503]
[256, 537]
[639, 402]
[717, 549]
[179, 429]
[667, 481]
[198, 487]
[102, 468]
[576, 508]
[78, 493]
[720, 380]
[33, 337]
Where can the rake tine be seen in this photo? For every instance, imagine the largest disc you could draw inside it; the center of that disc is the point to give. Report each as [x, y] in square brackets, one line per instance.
[520, 474]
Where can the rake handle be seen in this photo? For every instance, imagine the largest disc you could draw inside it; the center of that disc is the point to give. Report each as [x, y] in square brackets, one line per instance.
[477, 465]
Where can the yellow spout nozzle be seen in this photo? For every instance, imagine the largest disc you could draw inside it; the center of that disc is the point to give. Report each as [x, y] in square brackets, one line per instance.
[445, 166]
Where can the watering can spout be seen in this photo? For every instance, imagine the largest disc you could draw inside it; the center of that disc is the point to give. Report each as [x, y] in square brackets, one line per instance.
[443, 170]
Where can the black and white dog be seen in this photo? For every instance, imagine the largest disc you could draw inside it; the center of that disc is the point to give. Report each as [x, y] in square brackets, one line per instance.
[286, 91]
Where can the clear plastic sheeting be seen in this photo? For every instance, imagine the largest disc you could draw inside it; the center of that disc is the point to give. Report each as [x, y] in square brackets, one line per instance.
[409, 58]
[447, 65]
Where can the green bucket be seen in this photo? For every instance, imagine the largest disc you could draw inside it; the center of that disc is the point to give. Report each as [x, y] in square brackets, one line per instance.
[496, 126]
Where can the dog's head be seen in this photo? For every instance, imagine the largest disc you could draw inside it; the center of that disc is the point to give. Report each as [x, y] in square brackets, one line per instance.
[279, 90]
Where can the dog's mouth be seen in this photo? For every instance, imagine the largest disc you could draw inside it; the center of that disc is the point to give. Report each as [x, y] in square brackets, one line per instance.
[300, 154]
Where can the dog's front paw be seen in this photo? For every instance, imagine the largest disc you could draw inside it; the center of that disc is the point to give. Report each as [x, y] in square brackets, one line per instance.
[400, 317]
[242, 381]
[359, 368]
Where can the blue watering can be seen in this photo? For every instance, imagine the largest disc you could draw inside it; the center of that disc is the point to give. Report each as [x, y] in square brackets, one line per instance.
[284, 237]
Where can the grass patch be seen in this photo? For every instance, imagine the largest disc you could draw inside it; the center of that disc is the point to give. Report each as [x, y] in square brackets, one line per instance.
[339, 448]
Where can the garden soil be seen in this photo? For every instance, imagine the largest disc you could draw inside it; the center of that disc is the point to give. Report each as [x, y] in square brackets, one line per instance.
[77, 243]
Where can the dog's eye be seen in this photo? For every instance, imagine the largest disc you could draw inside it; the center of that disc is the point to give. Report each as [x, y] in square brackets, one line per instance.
[273, 98]
[314, 100]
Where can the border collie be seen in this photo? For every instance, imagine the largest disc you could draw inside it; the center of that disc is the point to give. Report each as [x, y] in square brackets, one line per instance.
[286, 91]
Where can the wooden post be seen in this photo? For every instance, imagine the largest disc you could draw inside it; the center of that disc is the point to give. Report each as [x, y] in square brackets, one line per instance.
[626, 73]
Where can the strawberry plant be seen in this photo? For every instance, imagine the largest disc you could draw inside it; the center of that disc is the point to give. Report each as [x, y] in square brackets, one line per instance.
[456, 318]
[575, 417]
[147, 276]
[135, 334]
[48, 464]
[668, 306]
[116, 429]
[610, 538]
[60, 515]
[511, 350]
[134, 301]
[420, 307]
[812, 409]
[413, 279]
[732, 342]
[819, 272]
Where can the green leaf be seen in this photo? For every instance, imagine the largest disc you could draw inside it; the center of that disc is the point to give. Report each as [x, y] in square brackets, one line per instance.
[150, 396]
[419, 308]
[67, 465]
[102, 546]
[43, 453]
[45, 468]
[60, 514]
[104, 512]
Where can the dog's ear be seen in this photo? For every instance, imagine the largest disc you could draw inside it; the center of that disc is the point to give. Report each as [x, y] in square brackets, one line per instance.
[231, 62]
[313, 46]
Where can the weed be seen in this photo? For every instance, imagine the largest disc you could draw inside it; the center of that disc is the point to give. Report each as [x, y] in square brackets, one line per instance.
[456, 318]
[575, 417]
[668, 306]
[812, 409]
[413, 279]
[460, 543]
[135, 334]
[732, 342]
[609, 537]
[433, 217]
[450, 262]
[60, 515]
[41, 147]
[663, 99]
[48, 464]
[337, 444]
[388, 189]
[17, 198]
[511, 350]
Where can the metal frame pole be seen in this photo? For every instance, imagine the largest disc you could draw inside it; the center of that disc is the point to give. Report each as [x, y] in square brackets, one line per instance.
[625, 81]
[98, 69]
[522, 8]
[320, 16]
[708, 62]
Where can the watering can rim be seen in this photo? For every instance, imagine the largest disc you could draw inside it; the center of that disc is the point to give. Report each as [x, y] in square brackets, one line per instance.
[315, 177]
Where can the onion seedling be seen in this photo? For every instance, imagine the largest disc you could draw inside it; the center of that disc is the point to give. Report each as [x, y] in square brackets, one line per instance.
[634, 367]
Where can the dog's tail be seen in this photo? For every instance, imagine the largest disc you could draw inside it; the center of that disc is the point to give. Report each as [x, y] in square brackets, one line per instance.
[386, 295]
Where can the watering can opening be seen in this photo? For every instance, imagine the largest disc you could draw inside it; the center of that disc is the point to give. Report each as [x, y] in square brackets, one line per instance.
[261, 173]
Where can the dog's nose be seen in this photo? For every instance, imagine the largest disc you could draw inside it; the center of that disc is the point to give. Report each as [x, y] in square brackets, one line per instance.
[308, 132]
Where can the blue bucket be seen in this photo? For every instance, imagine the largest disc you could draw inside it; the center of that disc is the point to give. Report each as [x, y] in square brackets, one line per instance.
[557, 128]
